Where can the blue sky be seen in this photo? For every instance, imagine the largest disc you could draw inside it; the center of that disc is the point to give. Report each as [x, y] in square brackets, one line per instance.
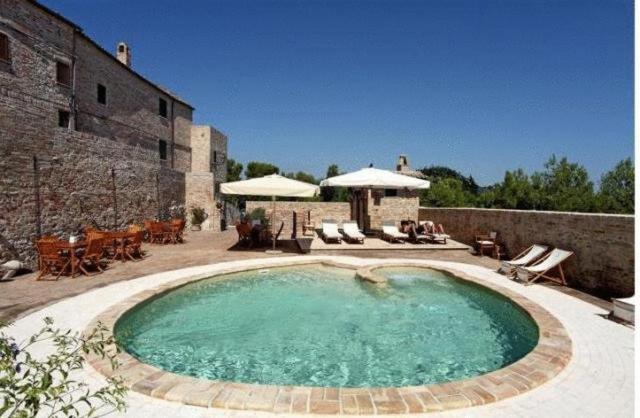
[480, 86]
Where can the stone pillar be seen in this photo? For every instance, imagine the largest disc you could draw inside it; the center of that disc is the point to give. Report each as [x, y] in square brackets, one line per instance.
[208, 170]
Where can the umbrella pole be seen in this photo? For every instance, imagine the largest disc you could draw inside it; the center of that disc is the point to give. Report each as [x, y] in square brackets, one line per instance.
[273, 227]
[273, 221]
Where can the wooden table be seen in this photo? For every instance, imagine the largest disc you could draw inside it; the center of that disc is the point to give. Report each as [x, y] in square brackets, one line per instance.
[120, 242]
[72, 248]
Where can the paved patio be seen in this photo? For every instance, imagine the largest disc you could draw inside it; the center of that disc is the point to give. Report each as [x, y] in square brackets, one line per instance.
[371, 243]
[25, 294]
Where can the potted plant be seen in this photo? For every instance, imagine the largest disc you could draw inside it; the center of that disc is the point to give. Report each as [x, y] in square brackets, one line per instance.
[198, 216]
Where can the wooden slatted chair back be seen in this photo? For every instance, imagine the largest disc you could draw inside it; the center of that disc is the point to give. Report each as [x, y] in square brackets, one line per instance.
[94, 247]
[48, 250]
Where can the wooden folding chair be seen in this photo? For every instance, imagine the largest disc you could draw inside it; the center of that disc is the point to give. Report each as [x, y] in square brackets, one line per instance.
[51, 261]
[540, 269]
[92, 256]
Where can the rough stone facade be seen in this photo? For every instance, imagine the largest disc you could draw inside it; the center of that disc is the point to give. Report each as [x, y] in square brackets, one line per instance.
[338, 211]
[124, 185]
[102, 146]
[208, 170]
[391, 208]
[603, 244]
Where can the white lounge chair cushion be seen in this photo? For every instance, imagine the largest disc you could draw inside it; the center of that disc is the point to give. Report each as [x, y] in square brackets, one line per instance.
[393, 231]
[483, 242]
[351, 230]
[535, 252]
[330, 230]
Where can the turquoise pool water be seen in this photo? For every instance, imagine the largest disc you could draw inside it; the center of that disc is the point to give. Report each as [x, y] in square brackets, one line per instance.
[318, 326]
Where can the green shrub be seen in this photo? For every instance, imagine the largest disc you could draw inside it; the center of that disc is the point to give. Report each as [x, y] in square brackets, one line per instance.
[198, 216]
[48, 386]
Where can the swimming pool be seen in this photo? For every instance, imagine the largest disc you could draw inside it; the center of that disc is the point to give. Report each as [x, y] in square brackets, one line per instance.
[318, 326]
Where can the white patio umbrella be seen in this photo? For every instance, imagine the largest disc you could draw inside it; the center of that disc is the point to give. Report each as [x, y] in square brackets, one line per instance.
[375, 178]
[272, 185]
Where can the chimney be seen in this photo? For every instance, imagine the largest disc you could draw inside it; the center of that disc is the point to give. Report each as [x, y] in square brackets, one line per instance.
[123, 54]
[403, 163]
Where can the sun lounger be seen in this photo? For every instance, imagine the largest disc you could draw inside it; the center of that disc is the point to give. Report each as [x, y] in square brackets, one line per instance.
[391, 233]
[418, 237]
[351, 232]
[330, 231]
[434, 233]
[526, 257]
[540, 269]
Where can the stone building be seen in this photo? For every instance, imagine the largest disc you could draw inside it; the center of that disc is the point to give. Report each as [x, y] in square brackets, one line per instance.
[86, 140]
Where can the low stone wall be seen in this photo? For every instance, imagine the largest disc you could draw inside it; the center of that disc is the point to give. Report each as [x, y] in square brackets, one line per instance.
[603, 244]
[319, 210]
[75, 184]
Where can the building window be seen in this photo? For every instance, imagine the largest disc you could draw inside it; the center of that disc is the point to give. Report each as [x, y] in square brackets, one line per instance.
[215, 157]
[162, 147]
[162, 108]
[63, 73]
[102, 94]
[5, 55]
[63, 118]
[390, 192]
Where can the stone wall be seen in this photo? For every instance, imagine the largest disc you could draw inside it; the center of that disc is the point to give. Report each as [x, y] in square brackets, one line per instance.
[218, 157]
[338, 211]
[207, 144]
[76, 177]
[391, 208]
[603, 244]
[38, 40]
[114, 145]
[200, 193]
[131, 113]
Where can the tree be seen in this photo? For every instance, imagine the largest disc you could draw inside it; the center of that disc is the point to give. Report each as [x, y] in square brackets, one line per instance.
[564, 186]
[260, 169]
[515, 192]
[447, 192]
[617, 189]
[435, 173]
[47, 386]
[487, 197]
[329, 193]
[302, 176]
[234, 170]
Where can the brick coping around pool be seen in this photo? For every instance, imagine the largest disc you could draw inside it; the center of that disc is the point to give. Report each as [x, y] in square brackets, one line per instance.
[545, 361]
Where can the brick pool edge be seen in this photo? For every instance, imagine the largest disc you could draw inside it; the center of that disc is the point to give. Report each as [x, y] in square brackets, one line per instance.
[548, 358]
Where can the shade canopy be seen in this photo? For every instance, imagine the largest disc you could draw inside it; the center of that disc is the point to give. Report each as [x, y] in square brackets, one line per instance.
[374, 178]
[272, 185]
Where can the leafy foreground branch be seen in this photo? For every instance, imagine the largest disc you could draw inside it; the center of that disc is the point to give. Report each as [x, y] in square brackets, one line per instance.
[46, 386]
